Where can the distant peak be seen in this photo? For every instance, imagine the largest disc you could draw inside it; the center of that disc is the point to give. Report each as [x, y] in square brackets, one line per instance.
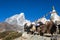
[21, 13]
[18, 19]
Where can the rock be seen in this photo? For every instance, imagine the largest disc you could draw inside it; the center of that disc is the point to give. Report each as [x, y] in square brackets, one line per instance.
[25, 35]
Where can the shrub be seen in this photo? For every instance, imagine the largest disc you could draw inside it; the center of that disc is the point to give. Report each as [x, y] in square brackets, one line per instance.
[3, 34]
[12, 36]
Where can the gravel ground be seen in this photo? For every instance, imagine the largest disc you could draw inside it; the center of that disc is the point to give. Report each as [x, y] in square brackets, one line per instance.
[32, 37]
[35, 37]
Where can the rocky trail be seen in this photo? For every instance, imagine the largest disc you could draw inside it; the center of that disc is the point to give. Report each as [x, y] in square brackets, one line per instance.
[34, 37]
[26, 36]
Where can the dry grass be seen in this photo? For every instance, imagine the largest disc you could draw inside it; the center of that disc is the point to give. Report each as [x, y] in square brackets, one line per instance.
[9, 35]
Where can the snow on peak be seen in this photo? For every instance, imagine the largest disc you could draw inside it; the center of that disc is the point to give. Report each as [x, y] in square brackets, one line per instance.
[43, 20]
[18, 19]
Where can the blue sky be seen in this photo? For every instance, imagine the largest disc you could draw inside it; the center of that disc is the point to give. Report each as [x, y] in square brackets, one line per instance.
[33, 9]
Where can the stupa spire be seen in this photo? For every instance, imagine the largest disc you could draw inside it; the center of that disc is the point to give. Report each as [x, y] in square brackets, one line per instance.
[54, 16]
[53, 9]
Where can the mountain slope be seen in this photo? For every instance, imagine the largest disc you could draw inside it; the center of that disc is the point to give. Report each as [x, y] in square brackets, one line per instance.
[18, 19]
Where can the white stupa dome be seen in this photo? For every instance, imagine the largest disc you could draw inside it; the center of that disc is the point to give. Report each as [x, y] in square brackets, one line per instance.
[54, 16]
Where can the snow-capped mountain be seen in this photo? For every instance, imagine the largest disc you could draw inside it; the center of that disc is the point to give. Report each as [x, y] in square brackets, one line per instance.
[18, 19]
[43, 20]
